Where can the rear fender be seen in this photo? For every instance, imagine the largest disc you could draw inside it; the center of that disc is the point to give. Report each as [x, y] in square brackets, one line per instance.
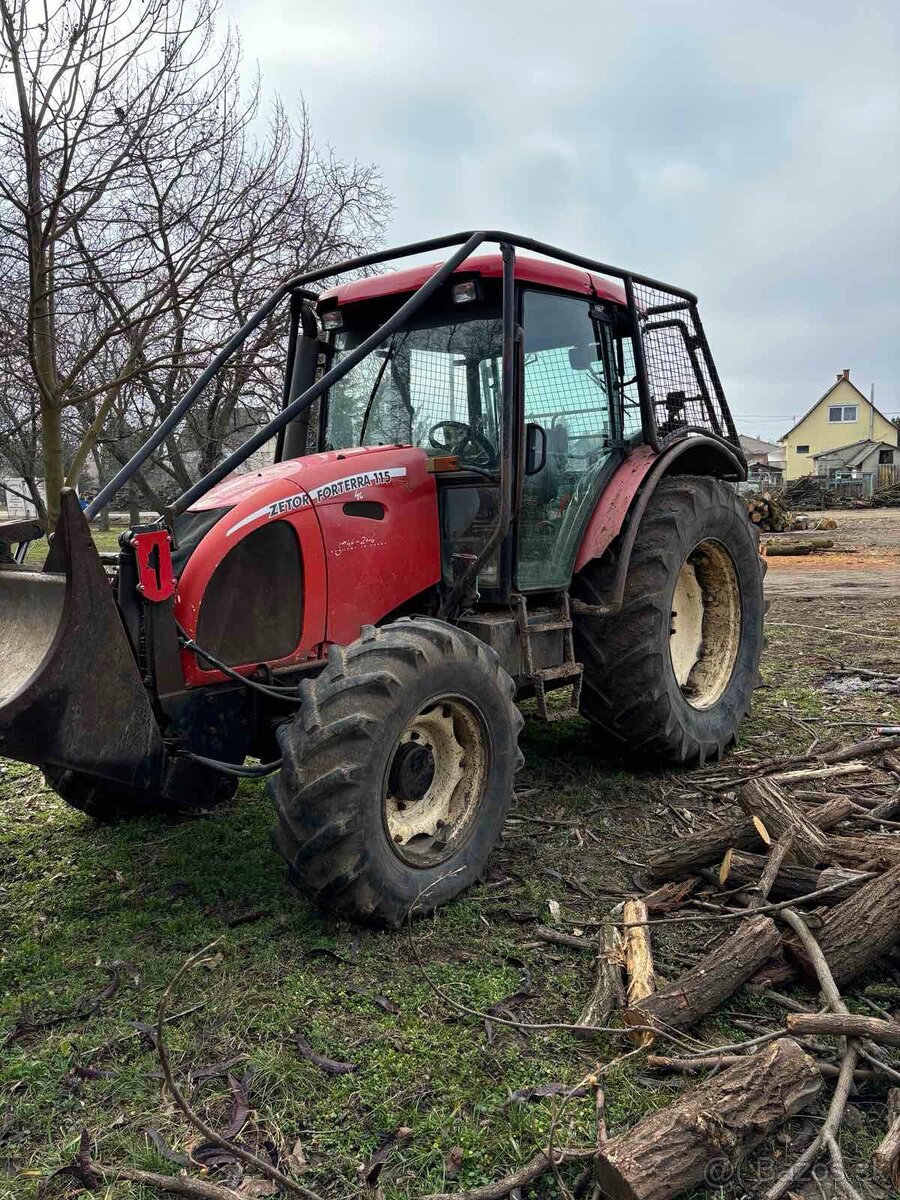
[71, 695]
[624, 501]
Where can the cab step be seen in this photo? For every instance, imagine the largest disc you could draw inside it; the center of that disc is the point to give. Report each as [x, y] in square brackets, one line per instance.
[568, 669]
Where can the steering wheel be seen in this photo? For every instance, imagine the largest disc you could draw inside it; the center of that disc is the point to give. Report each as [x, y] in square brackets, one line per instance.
[453, 437]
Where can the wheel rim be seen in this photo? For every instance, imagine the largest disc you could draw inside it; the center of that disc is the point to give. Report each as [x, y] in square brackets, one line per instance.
[435, 781]
[705, 631]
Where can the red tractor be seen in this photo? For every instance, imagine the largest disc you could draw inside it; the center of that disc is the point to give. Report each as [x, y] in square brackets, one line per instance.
[497, 478]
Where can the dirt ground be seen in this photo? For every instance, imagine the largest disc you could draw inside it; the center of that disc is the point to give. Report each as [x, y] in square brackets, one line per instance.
[95, 920]
[865, 559]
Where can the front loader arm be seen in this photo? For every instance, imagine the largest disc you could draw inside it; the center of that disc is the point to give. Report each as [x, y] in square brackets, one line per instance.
[71, 695]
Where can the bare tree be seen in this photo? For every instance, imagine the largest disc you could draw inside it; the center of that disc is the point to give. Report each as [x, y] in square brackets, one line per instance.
[146, 219]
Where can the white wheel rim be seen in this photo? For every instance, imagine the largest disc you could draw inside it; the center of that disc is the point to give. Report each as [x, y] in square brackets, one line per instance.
[424, 829]
[705, 630]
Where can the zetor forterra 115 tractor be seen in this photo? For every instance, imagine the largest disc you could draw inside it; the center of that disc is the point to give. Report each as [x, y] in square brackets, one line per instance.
[496, 478]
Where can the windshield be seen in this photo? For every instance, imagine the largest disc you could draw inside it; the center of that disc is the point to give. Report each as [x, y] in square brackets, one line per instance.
[434, 385]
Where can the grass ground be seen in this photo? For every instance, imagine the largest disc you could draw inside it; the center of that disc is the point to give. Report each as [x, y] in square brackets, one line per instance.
[95, 920]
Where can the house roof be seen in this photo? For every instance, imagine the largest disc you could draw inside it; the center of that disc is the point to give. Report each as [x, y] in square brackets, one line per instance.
[854, 452]
[825, 395]
[752, 445]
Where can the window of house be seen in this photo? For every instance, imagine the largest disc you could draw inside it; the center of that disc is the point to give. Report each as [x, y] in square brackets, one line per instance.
[845, 413]
[885, 458]
[803, 449]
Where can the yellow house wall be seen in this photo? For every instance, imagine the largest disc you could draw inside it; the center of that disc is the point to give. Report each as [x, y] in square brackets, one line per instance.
[817, 432]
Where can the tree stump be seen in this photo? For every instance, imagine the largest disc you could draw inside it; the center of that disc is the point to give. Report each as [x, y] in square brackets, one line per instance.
[703, 988]
[725, 1117]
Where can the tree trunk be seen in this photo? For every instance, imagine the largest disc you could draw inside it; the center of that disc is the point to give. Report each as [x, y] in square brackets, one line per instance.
[887, 1156]
[608, 992]
[713, 980]
[886, 1033]
[722, 1119]
[857, 932]
[54, 465]
[706, 846]
[791, 880]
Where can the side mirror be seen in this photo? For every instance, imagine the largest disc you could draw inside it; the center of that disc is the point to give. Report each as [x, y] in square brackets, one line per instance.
[535, 448]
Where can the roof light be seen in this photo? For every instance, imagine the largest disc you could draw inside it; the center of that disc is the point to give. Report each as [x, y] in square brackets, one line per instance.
[465, 293]
[333, 319]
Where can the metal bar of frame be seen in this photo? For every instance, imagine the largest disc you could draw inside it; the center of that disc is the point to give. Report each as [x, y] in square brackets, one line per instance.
[470, 237]
[293, 329]
[648, 415]
[691, 350]
[372, 342]
[509, 431]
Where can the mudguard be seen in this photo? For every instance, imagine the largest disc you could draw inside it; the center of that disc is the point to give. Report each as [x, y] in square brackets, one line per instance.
[71, 694]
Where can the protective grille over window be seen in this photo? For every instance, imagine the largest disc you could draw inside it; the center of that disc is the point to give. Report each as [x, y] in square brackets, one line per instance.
[684, 386]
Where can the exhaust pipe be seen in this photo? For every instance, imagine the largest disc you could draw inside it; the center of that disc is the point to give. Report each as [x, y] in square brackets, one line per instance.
[71, 695]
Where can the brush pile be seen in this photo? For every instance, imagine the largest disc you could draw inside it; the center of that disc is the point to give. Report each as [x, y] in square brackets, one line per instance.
[805, 886]
[808, 493]
[887, 497]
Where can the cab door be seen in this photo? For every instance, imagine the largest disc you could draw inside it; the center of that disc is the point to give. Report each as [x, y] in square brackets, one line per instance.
[571, 393]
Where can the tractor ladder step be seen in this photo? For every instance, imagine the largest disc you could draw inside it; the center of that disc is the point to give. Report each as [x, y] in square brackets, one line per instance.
[568, 669]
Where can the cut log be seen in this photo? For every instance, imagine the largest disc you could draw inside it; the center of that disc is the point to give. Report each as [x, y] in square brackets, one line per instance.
[792, 880]
[726, 1116]
[855, 933]
[779, 549]
[781, 815]
[670, 895]
[887, 1157]
[608, 992]
[638, 960]
[871, 851]
[706, 846]
[713, 980]
[886, 1033]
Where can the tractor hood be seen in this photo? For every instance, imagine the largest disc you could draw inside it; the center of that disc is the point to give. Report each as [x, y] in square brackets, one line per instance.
[330, 475]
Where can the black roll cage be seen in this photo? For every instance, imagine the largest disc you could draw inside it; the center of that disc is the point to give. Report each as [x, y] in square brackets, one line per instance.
[512, 357]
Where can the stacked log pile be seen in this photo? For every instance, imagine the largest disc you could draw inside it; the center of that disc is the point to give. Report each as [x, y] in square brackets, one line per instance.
[769, 512]
[887, 497]
[807, 888]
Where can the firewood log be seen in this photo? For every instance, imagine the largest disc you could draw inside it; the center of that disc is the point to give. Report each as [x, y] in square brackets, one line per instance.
[608, 992]
[724, 1117]
[704, 987]
[868, 851]
[780, 814]
[793, 880]
[704, 846]
[886, 1033]
[638, 960]
[858, 931]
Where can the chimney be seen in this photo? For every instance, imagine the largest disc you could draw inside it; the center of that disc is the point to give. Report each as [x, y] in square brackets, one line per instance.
[845, 374]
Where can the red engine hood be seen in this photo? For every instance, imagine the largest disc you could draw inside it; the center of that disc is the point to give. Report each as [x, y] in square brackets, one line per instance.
[330, 475]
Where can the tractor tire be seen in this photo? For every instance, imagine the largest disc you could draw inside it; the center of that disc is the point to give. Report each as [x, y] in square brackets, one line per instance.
[397, 771]
[190, 790]
[667, 686]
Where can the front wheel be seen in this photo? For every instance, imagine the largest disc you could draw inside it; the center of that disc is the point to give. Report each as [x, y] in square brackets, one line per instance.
[669, 678]
[397, 771]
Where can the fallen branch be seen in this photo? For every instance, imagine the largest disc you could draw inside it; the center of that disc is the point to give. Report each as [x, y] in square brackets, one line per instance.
[886, 1033]
[705, 1062]
[639, 972]
[608, 992]
[177, 1185]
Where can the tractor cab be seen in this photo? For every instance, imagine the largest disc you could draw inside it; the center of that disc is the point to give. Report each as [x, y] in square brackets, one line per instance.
[437, 384]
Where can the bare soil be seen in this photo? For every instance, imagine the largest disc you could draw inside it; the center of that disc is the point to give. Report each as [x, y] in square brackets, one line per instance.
[865, 559]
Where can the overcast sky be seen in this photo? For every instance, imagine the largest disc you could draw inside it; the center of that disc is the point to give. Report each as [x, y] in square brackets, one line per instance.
[744, 151]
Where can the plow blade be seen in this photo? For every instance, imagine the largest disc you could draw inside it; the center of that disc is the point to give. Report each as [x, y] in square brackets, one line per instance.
[71, 695]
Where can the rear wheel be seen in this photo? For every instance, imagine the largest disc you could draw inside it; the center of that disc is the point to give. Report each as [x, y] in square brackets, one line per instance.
[397, 771]
[669, 678]
[190, 788]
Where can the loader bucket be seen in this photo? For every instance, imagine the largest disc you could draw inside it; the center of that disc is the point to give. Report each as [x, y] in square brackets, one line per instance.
[71, 695]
